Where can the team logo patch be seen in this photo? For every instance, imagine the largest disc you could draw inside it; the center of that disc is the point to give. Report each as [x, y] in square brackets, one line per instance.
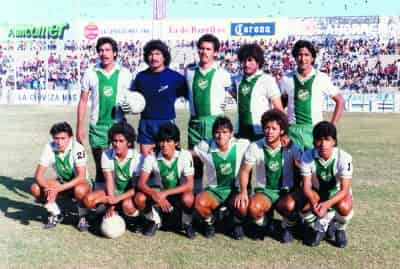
[273, 166]
[303, 95]
[107, 90]
[170, 176]
[245, 90]
[202, 84]
[325, 176]
[226, 169]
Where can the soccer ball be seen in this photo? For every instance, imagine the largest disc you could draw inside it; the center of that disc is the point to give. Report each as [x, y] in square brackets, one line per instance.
[136, 102]
[113, 227]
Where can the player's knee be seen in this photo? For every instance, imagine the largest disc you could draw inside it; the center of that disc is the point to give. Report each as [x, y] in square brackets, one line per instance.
[188, 200]
[256, 210]
[286, 206]
[344, 208]
[89, 201]
[201, 204]
[241, 211]
[35, 190]
[140, 200]
[81, 191]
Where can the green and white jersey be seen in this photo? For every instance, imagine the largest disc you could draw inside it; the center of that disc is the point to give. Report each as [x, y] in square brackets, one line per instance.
[64, 164]
[207, 90]
[254, 96]
[125, 172]
[169, 174]
[306, 96]
[327, 172]
[209, 153]
[256, 157]
[106, 89]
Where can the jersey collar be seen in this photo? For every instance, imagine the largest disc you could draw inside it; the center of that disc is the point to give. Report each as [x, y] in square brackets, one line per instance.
[214, 146]
[269, 149]
[69, 147]
[107, 74]
[130, 155]
[322, 161]
[205, 71]
[301, 79]
[249, 78]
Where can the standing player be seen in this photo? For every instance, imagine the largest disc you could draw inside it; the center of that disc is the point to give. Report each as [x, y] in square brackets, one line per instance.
[257, 92]
[306, 88]
[171, 189]
[222, 157]
[327, 172]
[208, 84]
[160, 86]
[274, 165]
[68, 159]
[121, 164]
[106, 83]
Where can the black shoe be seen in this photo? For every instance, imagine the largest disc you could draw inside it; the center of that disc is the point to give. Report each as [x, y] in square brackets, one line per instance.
[286, 236]
[315, 238]
[189, 231]
[259, 232]
[270, 228]
[330, 233]
[150, 229]
[341, 238]
[209, 231]
[83, 225]
[53, 220]
[237, 232]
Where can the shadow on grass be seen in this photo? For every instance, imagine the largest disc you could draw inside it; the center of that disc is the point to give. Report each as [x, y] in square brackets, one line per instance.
[18, 186]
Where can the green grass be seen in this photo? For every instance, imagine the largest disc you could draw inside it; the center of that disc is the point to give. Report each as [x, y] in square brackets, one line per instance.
[372, 139]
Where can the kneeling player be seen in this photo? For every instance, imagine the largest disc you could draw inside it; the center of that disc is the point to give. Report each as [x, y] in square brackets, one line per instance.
[327, 172]
[171, 189]
[274, 165]
[120, 165]
[222, 157]
[68, 158]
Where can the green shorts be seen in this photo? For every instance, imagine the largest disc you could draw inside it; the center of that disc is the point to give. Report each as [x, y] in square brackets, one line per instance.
[200, 129]
[272, 195]
[98, 136]
[302, 136]
[221, 193]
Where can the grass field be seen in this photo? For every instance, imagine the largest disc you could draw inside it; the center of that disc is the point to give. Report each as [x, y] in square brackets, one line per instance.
[372, 139]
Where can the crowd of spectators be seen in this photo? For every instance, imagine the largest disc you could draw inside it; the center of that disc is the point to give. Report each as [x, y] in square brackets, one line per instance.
[358, 65]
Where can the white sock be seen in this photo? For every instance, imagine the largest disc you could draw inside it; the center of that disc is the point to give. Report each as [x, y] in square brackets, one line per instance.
[53, 208]
[342, 221]
[153, 216]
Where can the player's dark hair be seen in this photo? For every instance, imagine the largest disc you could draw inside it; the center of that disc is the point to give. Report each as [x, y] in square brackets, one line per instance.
[278, 116]
[157, 44]
[61, 127]
[222, 122]
[107, 40]
[209, 38]
[124, 129]
[169, 131]
[324, 129]
[304, 44]
[251, 51]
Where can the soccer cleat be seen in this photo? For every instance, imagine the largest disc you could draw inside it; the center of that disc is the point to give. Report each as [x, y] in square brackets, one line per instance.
[237, 232]
[53, 220]
[286, 236]
[189, 231]
[209, 231]
[270, 228]
[341, 238]
[258, 232]
[330, 233]
[315, 238]
[150, 229]
[83, 225]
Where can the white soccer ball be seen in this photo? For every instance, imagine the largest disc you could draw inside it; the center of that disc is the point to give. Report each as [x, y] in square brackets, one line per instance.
[113, 227]
[136, 102]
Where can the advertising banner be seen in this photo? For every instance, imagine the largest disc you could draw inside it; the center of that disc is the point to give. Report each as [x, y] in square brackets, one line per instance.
[48, 97]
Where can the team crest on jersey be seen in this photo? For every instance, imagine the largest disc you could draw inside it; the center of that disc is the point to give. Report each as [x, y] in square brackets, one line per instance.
[107, 90]
[245, 90]
[273, 166]
[303, 94]
[325, 176]
[202, 84]
[226, 169]
[122, 177]
[170, 176]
